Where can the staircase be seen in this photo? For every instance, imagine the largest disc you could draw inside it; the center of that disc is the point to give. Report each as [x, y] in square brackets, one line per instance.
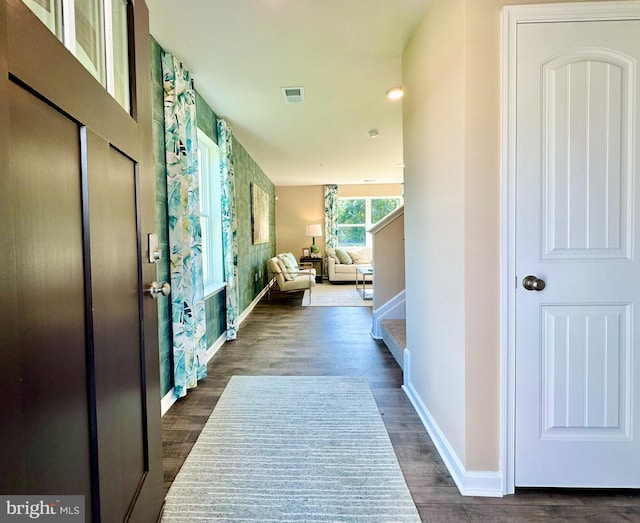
[388, 321]
[394, 335]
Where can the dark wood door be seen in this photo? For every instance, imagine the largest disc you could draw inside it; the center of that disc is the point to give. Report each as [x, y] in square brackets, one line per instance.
[117, 318]
[78, 333]
[43, 179]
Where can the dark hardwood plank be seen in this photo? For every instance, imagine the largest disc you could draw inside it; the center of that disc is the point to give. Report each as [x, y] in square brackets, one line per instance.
[283, 338]
[531, 513]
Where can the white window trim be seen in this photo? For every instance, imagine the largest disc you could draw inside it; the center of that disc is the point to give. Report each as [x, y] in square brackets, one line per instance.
[212, 289]
[210, 193]
[109, 64]
[69, 25]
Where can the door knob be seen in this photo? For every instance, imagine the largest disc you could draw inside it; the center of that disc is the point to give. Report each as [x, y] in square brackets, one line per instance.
[156, 289]
[531, 283]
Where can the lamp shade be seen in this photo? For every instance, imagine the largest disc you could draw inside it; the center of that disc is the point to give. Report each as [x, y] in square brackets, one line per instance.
[314, 230]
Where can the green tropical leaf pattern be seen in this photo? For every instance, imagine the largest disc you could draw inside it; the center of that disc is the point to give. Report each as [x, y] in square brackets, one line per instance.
[229, 226]
[330, 220]
[185, 241]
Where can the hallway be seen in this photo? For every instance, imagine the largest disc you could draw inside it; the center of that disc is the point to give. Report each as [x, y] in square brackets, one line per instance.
[283, 338]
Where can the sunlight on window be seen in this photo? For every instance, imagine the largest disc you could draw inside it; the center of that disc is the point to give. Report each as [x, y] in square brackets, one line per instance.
[357, 215]
[120, 45]
[96, 32]
[210, 210]
[89, 24]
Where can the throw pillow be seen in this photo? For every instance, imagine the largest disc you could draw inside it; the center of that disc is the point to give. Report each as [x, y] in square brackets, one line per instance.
[292, 258]
[359, 257]
[289, 269]
[332, 254]
[344, 257]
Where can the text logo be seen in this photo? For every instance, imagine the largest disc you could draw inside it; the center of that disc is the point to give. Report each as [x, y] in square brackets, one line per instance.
[15, 509]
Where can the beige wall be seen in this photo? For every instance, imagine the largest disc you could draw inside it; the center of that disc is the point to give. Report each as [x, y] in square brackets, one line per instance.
[298, 206]
[433, 115]
[370, 189]
[451, 75]
[388, 260]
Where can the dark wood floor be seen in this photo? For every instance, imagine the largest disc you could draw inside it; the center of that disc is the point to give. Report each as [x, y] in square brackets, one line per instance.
[282, 338]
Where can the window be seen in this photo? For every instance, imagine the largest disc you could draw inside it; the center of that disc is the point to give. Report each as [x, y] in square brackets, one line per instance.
[118, 81]
[210, 212]
[49, 12]
[352, 222]
[356, 215]
[96, 33]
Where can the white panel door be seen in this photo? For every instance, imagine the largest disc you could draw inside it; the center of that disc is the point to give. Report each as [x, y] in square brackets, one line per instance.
[577, 356]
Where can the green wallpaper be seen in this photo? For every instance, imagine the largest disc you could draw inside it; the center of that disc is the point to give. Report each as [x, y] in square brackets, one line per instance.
[215, 310]
[207, 119]
[251, 258]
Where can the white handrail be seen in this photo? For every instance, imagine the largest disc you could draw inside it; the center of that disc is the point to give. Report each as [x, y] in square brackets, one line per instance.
[389, 218]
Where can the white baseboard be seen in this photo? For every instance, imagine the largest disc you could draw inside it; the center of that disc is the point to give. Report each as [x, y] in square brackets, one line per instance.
[406, 368]
[169, 398]
[167, 401]
[469, 483]
[213, 348]
[393, 309]
[252, 305]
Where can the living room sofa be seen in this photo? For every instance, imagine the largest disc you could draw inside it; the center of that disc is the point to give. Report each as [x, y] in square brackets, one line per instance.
[344, 269]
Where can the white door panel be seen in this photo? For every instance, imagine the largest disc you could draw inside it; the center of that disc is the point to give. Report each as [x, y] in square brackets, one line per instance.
[587, 96]
[577, 409]
[585, 357]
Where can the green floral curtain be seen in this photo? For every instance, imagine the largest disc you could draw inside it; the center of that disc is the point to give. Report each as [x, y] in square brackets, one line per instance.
[229, 226]
[330, 219]
[183, 209]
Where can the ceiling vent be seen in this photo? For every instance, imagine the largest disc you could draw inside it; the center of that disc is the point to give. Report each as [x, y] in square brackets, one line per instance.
[293, 95]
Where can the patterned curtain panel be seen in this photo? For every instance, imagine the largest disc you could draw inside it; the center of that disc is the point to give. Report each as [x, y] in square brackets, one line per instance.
[229, 227]
[330, 220]
[183, 202]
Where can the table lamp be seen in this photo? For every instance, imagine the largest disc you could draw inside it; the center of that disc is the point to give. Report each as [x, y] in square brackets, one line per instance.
[313, 231]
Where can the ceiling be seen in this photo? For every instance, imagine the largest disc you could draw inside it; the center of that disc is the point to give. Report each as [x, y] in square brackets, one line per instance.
[345, 53]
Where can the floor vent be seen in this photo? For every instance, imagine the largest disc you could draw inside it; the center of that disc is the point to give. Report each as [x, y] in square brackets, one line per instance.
[293, 95]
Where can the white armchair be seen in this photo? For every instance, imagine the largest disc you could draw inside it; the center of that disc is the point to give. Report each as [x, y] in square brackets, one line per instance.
[303, 279]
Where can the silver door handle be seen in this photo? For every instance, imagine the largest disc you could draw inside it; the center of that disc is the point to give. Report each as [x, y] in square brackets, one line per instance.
[531, 283]
[156, 289]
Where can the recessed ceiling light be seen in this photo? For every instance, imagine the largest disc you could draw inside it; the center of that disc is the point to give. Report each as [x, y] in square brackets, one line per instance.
[395, 93]
[374, 133]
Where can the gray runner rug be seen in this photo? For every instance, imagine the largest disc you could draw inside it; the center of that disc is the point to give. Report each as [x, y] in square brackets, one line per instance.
[292, 448]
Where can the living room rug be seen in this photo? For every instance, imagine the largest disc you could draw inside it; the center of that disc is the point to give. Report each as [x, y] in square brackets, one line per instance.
[340, 295]
[292, 448]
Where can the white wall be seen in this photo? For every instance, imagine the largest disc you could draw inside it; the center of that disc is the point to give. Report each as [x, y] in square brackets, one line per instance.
[433, 114]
